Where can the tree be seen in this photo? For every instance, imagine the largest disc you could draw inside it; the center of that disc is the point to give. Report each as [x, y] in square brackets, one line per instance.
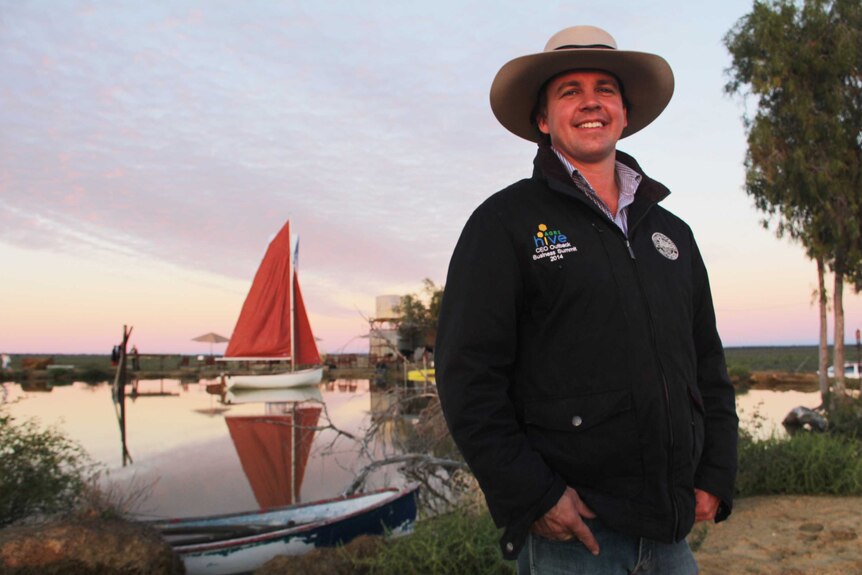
[803, 64]
[417, 324]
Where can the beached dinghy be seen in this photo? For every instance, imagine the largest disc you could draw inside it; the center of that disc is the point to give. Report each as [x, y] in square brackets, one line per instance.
[242, 542]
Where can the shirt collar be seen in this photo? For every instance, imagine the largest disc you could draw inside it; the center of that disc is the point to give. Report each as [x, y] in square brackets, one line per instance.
[627, 178]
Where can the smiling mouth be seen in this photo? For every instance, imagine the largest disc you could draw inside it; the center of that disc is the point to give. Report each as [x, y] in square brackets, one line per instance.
[594, 124]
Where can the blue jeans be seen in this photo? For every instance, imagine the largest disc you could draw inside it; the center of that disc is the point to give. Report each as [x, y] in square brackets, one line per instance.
[619, 555]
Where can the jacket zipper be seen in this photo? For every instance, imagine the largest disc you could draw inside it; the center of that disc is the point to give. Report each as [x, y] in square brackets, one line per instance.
[653, 341]
[632, 226]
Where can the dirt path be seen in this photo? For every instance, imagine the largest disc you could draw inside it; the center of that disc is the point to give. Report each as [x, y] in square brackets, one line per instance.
[785, 535]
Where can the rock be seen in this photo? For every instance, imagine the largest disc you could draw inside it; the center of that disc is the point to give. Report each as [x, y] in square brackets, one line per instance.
[86, 546]
[805, 418]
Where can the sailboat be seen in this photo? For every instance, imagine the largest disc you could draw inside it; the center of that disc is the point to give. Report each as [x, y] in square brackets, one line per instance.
[273, 327]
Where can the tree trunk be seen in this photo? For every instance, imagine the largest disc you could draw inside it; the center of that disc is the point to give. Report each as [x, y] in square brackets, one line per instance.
[823, 356]
[838, 354]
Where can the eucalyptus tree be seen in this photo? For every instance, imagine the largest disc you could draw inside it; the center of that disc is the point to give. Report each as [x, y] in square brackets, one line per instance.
[801, 64]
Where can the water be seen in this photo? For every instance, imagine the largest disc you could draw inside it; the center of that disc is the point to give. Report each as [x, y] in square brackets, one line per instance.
[185, 456]
[182, 450]
[761, 411]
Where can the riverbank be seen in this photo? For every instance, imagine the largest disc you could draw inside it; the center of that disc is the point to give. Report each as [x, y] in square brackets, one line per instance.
[784, 535]
[766, 535]
[41, 373]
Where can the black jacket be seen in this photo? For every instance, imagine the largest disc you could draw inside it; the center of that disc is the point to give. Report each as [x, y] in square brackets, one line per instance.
[577, 356]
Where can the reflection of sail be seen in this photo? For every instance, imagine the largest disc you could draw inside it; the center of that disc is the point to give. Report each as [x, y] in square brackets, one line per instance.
[274, 450]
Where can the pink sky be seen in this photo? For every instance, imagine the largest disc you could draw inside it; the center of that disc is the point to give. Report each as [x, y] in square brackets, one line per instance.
[148, 154]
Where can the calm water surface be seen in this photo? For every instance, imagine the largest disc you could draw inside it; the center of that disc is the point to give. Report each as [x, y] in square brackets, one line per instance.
[761, 411]
[184, 454]
[181, 447]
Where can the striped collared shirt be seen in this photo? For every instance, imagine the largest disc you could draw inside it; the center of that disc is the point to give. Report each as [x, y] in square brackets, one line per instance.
[628, 181]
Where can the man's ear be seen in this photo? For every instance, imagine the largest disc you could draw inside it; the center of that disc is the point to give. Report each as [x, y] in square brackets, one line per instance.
[542, 123]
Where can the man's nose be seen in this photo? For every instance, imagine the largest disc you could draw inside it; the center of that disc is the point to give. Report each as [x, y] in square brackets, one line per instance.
[590, 103]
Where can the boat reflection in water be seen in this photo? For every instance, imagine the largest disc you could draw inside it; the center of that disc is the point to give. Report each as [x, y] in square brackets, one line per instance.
[274, 447]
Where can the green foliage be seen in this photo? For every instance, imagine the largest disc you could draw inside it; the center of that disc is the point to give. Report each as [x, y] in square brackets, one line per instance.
[802, 62]
[805, 464]
[451, 544]
[417, 325]
[13, 375]
[739, 373]
[772, 358]
[845, 419]
[41, 471]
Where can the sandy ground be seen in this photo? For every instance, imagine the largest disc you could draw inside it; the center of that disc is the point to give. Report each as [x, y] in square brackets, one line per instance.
[785, 535]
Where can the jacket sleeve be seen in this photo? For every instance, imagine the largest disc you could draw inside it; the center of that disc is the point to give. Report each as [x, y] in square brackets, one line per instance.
[475, 357]
[716, 472]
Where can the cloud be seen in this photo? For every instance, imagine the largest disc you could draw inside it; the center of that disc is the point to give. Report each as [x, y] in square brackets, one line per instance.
[188, 133]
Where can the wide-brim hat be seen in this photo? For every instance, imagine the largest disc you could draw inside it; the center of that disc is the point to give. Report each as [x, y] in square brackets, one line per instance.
[646, 78]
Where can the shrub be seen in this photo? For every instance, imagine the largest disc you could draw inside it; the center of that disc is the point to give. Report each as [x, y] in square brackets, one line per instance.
[42, 472]
[461, 541]
[805, 463]
[739, 374]
[845, 418]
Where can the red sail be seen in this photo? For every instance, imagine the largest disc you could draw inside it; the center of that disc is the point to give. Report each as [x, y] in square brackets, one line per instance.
[274, 451]
[306, 347]
[263, 327]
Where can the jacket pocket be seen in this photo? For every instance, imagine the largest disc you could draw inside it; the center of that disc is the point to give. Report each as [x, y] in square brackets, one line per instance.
[588, 439]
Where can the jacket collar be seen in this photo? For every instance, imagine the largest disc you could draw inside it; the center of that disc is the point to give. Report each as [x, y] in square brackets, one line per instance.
[547, 167]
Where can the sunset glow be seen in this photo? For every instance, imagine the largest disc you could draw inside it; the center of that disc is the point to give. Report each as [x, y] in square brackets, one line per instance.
[149, 153]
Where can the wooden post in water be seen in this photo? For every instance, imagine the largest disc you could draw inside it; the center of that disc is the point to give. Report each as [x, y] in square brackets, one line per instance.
[120, 394]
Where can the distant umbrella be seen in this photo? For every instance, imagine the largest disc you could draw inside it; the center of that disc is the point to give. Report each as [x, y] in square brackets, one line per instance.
[211, 338]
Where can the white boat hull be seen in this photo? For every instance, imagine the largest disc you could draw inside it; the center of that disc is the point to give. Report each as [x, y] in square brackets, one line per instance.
[275, 380]
[292, 530]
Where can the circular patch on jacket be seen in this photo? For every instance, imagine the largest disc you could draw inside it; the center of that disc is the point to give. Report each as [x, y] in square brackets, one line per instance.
[665, 246]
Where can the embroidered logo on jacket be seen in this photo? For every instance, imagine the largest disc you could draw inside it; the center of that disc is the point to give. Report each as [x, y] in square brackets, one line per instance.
[665, 246]
[552, 244]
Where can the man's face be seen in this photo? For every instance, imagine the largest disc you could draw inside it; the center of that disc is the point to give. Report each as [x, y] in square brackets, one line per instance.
[584, 116]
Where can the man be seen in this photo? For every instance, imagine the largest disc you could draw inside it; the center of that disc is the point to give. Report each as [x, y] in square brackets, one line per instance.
[578, 363]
